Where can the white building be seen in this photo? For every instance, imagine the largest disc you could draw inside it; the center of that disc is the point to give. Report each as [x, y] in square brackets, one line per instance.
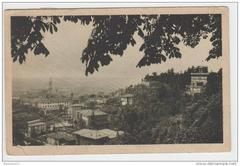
[73, 108]
[35, 127]
[51, 105]
[79, 112]
[198, 81]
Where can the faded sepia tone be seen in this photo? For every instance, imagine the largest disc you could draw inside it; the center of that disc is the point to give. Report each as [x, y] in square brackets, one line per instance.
[62, 76]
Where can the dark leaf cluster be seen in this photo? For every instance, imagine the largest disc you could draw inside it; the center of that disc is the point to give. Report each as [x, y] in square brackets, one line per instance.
[112, 34]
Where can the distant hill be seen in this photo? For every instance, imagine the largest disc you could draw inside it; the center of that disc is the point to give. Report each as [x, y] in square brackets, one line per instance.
[84, 86]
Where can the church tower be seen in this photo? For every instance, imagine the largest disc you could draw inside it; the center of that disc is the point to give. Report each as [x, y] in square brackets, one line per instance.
[50, 87]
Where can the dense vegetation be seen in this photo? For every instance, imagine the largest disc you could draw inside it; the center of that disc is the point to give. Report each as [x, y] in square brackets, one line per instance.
[163, 113]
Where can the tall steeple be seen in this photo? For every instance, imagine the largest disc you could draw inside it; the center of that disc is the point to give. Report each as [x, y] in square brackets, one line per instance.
[50, 86]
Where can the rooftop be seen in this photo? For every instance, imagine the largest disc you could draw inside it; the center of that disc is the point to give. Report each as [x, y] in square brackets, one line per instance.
[36, 122]
[98, 134]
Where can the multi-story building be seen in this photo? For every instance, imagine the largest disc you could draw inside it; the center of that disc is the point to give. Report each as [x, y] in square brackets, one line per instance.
[78, 112]
[35, 127]
[73, 109]
[89, 116]
[52, 104]
[199, 78]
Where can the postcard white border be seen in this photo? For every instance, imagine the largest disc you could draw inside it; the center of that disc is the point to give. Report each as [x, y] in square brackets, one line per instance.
[226, 156]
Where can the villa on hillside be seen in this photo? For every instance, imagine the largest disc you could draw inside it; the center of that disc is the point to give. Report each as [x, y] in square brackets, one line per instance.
[198, 81]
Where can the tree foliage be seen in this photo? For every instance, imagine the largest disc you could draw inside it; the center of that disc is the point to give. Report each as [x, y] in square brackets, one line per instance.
[163, 114]
[112, 34]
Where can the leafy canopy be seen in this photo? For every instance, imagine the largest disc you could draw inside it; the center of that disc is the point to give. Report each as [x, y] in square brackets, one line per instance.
[112, 34]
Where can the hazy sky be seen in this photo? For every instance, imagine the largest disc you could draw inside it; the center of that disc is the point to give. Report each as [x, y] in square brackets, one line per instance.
[63, 63]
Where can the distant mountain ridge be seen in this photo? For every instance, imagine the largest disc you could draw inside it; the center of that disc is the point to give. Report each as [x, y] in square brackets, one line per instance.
[84, 86]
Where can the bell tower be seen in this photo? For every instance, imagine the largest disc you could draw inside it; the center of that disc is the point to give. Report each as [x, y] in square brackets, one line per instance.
[50, 86]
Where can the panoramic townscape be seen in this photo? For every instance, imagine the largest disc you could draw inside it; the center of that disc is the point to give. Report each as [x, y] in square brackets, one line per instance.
[116, 79]
[163, 108]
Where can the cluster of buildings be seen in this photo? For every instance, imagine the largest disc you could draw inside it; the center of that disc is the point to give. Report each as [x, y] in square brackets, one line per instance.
[93, 128]
[66, 133]
[83, 122]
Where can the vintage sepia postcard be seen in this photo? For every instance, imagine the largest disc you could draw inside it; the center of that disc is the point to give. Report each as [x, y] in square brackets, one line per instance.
[116, 80]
